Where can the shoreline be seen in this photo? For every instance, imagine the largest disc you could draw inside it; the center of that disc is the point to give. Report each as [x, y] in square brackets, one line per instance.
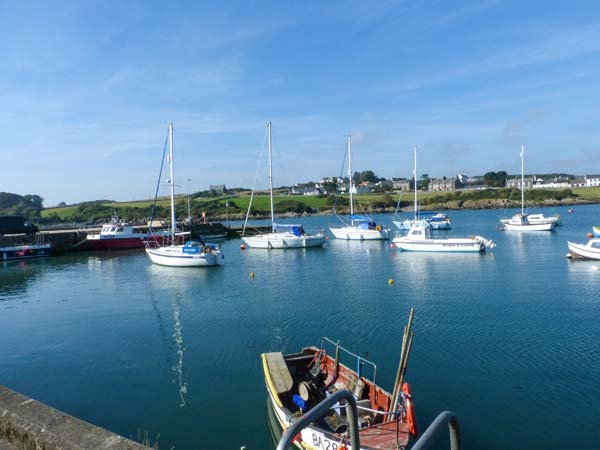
[454, 205]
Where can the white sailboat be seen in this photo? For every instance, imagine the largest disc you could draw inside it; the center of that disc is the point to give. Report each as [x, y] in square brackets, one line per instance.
[360, 228]
[524, 222]
[190, 254]
[282, 236]
[419, 238]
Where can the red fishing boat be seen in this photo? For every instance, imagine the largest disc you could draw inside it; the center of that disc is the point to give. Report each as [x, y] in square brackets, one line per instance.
[119, 235]
[299, 381]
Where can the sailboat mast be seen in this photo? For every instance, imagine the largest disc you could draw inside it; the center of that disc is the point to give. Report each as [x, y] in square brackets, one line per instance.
[415, 178]
[349, 144]
[172, 182]
[271, 178]
[522, 180]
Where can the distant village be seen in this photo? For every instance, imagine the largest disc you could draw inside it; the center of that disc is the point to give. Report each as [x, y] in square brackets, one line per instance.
[331, 185]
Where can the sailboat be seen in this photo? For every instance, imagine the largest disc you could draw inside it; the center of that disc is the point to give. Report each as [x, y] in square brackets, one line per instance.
[521, 221]
[360, 228]
[282, 236]
[419, 238]
[190, 254]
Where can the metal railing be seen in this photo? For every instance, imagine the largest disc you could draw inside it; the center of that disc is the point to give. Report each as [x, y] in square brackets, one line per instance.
[319, 411]
[427, 439]
[425, 442]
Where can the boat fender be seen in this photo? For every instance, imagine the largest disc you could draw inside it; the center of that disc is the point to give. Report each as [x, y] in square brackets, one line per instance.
[410, 410]
[378, 227]
[207, 249]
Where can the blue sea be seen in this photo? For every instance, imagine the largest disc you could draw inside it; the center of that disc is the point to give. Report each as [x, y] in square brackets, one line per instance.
[508, 340]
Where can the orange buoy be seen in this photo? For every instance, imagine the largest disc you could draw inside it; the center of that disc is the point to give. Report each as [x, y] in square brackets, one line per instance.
[411, 420]
[590, 235]
[242, 247]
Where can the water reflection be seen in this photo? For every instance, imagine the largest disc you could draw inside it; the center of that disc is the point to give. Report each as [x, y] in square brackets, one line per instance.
[17, 276]
[173, 281]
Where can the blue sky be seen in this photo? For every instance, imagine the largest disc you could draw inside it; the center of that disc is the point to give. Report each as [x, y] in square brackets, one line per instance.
[87, 90]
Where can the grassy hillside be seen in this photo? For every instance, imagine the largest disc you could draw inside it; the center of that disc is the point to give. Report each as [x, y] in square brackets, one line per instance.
[215, 207]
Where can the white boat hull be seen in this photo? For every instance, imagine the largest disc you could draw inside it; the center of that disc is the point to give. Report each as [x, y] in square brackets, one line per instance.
[360, 234]
[528, 226]
[284, 240]
[175, 257]
[454, 245]
[580, 251]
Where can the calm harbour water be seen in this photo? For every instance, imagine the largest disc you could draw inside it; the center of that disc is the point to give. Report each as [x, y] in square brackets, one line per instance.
[507, 340]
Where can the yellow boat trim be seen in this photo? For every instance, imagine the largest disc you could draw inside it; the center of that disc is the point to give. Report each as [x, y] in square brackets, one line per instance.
[270, 385]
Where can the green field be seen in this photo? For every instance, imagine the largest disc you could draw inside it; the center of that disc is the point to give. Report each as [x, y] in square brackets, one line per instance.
[215, 206]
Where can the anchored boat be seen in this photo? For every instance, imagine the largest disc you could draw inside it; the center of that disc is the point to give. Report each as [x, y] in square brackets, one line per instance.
[591, 250]
[119, 235]
[299, 381]
[419, 239]
[192, 253]
[282, 236]
[25, 251]
[360, 228]
[525, 222]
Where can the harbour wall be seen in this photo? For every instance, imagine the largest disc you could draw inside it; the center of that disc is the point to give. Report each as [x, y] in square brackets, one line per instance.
[26, 424]
[74, 239]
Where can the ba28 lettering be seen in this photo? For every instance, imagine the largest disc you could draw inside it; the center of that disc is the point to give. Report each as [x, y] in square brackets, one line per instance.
[323, 443]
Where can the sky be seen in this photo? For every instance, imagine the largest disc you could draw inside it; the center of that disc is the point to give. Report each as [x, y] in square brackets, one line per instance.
[87, 90]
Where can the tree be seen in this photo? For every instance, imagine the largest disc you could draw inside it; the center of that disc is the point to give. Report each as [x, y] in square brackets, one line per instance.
[502, 177]
[490, 179]
[425, 180]
[367, 175]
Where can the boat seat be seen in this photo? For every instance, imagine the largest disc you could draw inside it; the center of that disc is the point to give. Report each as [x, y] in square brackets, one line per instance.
[279, 372]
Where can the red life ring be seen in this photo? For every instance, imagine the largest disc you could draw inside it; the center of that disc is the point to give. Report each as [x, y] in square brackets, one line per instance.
[410, 410]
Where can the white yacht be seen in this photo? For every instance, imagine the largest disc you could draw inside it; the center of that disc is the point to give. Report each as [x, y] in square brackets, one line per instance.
[525, 222]
[190, 254]
[358, 228]
[282, 236]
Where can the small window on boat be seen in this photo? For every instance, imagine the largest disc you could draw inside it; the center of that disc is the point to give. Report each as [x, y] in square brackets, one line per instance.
[119, 229]
[595, 244]
[112, 229]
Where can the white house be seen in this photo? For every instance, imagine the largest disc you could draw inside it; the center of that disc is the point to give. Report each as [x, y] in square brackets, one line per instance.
[592, 180]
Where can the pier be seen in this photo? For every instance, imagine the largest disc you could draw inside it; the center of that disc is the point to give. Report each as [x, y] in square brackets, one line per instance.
[66, 240]
[26, 424]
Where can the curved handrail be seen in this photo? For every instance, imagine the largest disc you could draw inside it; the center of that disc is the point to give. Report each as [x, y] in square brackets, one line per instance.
[318, 411]
[427, 438]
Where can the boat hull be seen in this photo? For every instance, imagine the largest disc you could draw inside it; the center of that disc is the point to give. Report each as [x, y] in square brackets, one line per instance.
[284, 241]
[360, 234]
[456, 245]
[580, 251]
[529, 226]
[382, 436]
[25, 252]
[174, 257]
[116, 244]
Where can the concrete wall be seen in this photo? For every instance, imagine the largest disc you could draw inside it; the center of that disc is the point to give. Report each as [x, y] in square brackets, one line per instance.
[26, 424]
